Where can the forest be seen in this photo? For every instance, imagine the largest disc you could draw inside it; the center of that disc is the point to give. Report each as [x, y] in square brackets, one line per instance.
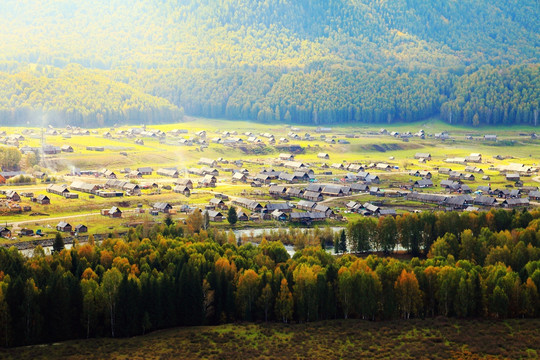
[311, 62]
[468, 265]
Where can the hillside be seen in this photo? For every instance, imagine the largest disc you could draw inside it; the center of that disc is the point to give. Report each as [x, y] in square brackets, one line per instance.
[292, 61]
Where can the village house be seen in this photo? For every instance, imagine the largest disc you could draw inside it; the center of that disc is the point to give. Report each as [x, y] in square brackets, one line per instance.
[218, 204]
[114, 212]
[323, 156]
[67, 148]
[474, 169]
[383, 166]
[283, 207]
[306, 205]
[426, 156]
[109, 174]
[387, 212]
[513, 203]
[279, 215]
[209, 171]
[372, 179]
[333, 190]
[512, 177]
[487, 201]
[262, 179]
[277, 190]
[162, 207]
[424, 183]
[286, 157]
[215, 215]
[168, 173]
[134, 174]
[534, 195]
[295, 191]
[84, 187]
[328, 212]
[145, 170]
[355, 168]
[312, 196]
[208, 181]
[294, 165]
[359, 187]
[290, 178]
[427, 198]
[241, 215]
[81, 229]
[50, 150]
[43, 200]
[239, 176]
[184, 182]
[13, 195]
[181, 189]
[61, 190]
[370, 209]
[208, 162]
[460, 201]
[251, 205]
[474, 158]
[63, 227]
[353, 206]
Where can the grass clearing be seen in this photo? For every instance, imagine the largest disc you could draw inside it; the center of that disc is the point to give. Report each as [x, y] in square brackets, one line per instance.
[439, 338]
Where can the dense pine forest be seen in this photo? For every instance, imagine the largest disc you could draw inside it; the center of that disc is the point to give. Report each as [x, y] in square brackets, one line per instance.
[469, 265]
[313, 62]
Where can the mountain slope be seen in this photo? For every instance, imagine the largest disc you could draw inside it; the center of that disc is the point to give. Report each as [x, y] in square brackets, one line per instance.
[238, 58]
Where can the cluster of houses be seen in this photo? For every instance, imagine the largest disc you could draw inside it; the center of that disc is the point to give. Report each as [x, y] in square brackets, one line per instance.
[467, 201]
[283, 211]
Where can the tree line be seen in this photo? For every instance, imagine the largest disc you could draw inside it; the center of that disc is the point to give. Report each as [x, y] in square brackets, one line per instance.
[176, 274]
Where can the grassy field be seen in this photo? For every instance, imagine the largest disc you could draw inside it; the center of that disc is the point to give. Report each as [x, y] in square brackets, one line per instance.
[439, 338]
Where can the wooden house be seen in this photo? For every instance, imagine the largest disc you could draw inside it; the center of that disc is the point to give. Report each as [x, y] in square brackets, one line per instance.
[63, 227]
[180, 189]
[323, 156]
[12, 195]
[43, 200]
[162, 207]
[215, 215]
[114, 212]
[81, 229]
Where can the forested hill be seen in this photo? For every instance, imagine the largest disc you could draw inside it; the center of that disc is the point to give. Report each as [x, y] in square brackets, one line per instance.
[307, 61]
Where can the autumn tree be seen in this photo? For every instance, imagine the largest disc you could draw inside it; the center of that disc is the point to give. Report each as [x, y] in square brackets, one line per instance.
[246, 292]
[408, 294]
[284, 302]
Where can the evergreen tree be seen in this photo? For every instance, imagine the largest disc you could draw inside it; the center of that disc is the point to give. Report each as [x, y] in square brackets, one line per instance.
[232, 217]
[343, 241]
[58, 244]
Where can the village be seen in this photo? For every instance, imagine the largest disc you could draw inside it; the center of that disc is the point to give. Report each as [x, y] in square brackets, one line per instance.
[105, 180]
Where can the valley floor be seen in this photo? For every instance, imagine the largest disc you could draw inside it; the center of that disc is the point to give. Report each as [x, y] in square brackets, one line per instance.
[439, 338]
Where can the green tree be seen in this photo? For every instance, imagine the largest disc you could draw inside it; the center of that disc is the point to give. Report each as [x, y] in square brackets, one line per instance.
[343, 241]
[232, 216]
[168, 220]
[58, 244]
[266, 300]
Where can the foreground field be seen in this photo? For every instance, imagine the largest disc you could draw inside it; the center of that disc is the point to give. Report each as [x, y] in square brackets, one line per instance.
[439, 338]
